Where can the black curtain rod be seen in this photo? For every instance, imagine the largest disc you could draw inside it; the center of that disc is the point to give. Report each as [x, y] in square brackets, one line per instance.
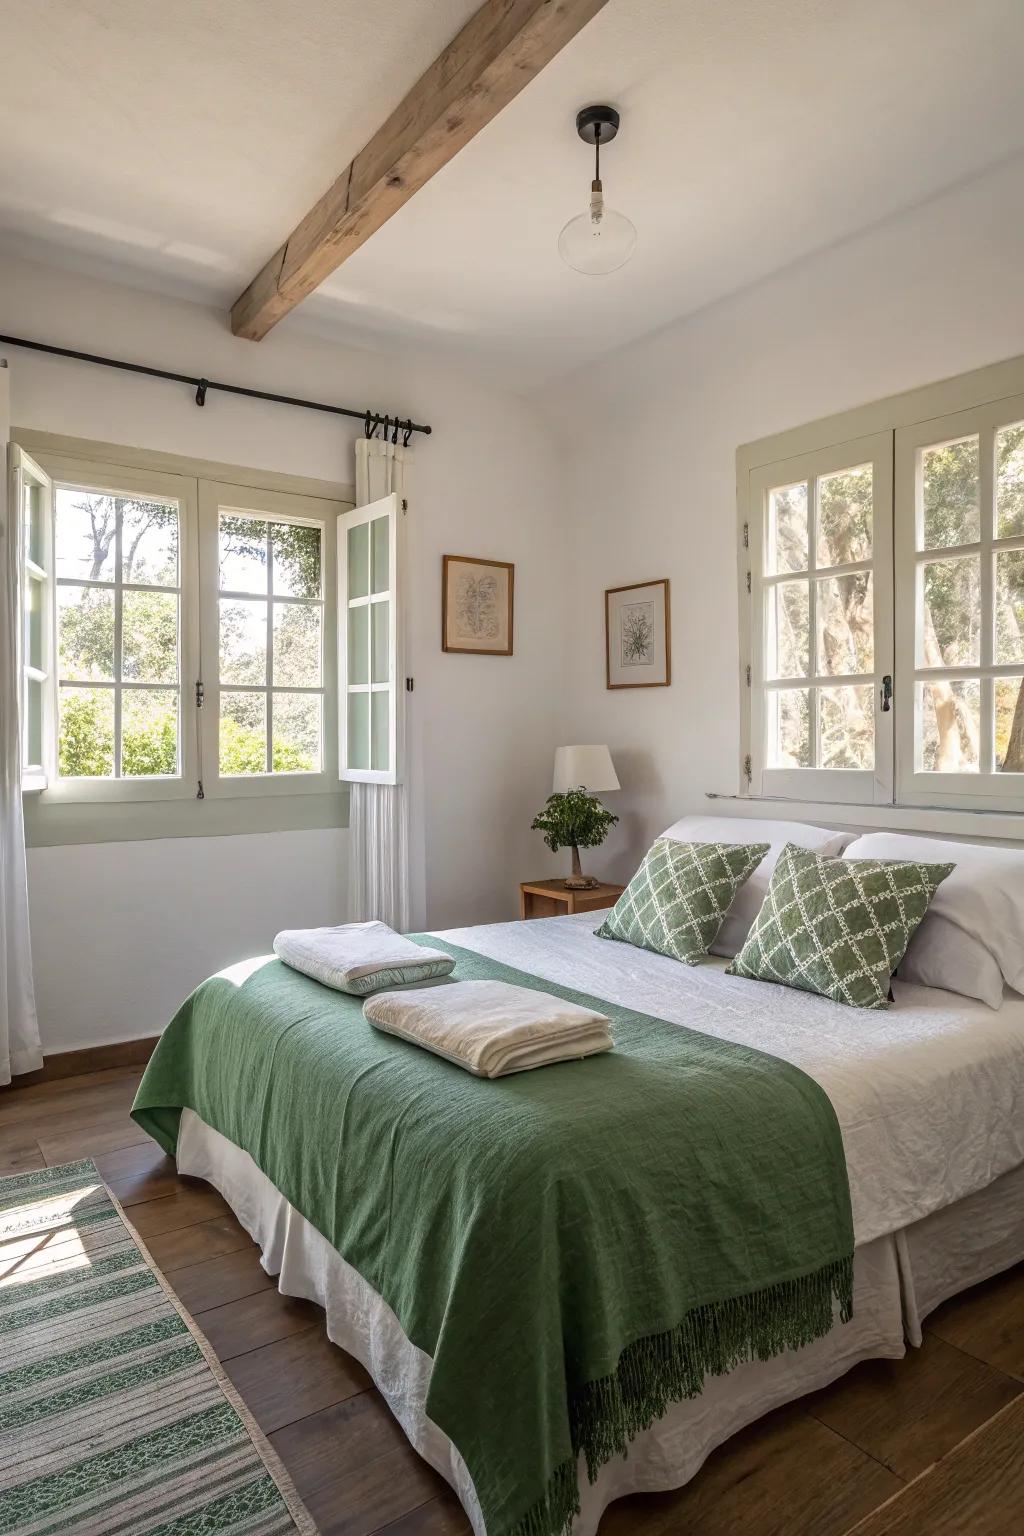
[370, 419]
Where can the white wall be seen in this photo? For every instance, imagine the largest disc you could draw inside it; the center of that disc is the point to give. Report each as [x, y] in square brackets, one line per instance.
[654, 433]
[122, 931]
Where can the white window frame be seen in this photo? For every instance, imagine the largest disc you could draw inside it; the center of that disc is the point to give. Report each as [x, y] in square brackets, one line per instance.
[985, 789]
[387, 506]
[26, 474]
[201, 487]
[285, 507]
[117, 479]
[841, 786]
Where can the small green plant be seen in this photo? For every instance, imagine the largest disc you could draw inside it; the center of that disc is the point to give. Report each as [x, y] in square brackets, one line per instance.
[574, 820]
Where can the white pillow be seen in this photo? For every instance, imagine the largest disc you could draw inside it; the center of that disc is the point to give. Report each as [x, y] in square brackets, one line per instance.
[983, 896]
[942, 955]
[739, 829]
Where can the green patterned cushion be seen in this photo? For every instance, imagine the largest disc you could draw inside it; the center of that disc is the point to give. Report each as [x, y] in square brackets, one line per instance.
[838, 927]
[677, 900]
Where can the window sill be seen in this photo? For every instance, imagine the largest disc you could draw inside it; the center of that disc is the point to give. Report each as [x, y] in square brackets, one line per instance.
[33, 783]
[976, 826]
[51, 822]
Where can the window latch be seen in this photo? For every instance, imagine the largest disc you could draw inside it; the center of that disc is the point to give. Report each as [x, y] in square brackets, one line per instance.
[200, 695]
[886, 694]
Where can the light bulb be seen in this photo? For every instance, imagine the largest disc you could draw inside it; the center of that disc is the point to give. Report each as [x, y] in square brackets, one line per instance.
[598, 241]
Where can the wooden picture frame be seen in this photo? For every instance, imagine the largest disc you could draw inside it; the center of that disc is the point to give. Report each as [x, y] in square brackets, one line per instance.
[638, 635]
[477, 605]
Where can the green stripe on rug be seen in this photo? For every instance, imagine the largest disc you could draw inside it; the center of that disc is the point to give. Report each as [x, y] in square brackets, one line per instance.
[134, 1429]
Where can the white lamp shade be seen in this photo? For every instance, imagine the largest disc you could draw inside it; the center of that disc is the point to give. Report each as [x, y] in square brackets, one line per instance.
[584, 767]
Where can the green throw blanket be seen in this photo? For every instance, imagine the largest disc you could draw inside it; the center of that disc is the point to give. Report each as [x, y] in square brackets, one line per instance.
[575, 1247]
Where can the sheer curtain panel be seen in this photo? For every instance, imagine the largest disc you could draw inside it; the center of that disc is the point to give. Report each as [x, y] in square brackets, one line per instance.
[378, 832]
[19, 1030]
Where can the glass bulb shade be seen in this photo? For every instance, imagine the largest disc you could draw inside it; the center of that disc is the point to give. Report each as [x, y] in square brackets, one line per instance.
[598, 241]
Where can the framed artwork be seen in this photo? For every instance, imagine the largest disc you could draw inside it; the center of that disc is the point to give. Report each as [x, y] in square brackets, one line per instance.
[476, 606]
[638, 636]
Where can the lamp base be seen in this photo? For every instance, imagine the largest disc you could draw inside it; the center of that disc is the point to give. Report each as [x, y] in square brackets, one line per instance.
[583, 883]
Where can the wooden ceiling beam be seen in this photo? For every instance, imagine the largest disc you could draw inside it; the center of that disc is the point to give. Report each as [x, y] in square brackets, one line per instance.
[499, 50]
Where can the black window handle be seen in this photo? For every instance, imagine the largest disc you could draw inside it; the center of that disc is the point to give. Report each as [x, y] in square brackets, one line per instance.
[886, 694]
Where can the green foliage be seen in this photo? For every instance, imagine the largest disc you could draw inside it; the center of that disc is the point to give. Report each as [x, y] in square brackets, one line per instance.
[573, 820]
[86, 735]
[243, 750]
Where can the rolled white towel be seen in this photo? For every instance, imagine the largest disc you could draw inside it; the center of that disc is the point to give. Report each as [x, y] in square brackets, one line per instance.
[360, 957]
[491, 1028]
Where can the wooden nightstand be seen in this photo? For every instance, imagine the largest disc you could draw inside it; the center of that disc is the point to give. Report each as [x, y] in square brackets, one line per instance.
[549, 898]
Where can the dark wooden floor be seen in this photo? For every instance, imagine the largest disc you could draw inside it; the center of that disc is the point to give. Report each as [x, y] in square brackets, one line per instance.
[817, 1468]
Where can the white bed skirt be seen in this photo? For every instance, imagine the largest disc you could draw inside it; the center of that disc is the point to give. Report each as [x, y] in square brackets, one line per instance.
[898, 1280]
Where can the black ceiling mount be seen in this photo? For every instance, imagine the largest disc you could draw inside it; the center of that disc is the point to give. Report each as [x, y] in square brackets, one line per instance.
[588, 121]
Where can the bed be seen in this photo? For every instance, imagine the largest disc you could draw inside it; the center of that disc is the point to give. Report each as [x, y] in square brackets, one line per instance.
[929, 1100]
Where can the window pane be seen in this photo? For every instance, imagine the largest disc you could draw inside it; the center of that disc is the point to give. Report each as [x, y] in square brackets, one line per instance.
[1010, 481]
[86, 739]
[846, 726]
[1010, 724]
[846, 624]
[243, 641]
[149, 636]
[787, 529]
[845, 513]
[32, 750]
[788, 629]
[381, 638]
[33, 649]
[949, 716]
[1010, 606]
[380, 708]
[297, 645]
[951, 625]
[297, 732]
[359, 644]
[243, 554]
[359, 730]
[86, 525]
[380, 557]
[35, 544]
[950, 494]
[243, 733]
[296, 551]
[359, 560]
[149, 732]
[149, 542]
[789, 728]
[85, 632]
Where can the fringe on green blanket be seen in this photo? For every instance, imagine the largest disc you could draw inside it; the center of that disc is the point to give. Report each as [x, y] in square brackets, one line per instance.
[651, 1373]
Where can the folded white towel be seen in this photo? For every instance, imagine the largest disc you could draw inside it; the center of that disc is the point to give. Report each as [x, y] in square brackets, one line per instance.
[490, 1027]
[360, 957]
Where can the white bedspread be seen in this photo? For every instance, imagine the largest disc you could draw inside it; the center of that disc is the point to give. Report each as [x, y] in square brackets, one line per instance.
[929, 1094]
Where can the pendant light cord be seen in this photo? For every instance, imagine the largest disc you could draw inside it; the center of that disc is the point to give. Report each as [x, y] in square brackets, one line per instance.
[597, 152]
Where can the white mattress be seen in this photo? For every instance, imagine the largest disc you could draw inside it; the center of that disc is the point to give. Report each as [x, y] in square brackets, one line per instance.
[929, 1094]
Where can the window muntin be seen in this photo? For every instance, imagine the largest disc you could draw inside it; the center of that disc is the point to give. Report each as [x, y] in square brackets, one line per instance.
[118, 598]
[270, 604]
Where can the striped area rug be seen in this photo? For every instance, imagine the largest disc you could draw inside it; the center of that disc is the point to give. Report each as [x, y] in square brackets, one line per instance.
[115, 1415]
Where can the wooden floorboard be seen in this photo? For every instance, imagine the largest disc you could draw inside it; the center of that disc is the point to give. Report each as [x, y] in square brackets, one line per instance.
[851, 1457]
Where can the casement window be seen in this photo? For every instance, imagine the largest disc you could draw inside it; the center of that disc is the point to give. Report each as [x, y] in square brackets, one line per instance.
[883, 625]
[369, 554]
[180, 634]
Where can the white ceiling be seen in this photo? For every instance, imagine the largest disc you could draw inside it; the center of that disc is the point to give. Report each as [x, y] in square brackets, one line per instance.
[176, 142]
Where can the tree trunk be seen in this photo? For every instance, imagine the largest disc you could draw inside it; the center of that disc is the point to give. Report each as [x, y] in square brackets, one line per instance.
[1013, 761]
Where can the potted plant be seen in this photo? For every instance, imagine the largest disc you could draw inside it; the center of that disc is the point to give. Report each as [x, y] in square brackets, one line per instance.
[574, 819]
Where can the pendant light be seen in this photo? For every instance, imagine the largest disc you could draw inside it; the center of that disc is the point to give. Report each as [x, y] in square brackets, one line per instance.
[599, 240]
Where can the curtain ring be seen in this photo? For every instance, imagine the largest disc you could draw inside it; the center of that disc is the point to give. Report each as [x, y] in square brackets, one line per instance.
[407, 433]
[394, 435]
[367, 429]
[387, 428]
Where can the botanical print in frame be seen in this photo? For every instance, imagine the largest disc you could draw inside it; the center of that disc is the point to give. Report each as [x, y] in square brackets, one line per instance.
[476, 606]
[637, 635]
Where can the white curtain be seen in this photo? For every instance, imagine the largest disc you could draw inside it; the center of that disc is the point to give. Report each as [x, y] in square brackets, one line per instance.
[378, 829]
[19, 1030]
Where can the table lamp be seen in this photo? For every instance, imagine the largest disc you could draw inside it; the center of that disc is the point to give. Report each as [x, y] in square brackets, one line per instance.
[590, 769]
